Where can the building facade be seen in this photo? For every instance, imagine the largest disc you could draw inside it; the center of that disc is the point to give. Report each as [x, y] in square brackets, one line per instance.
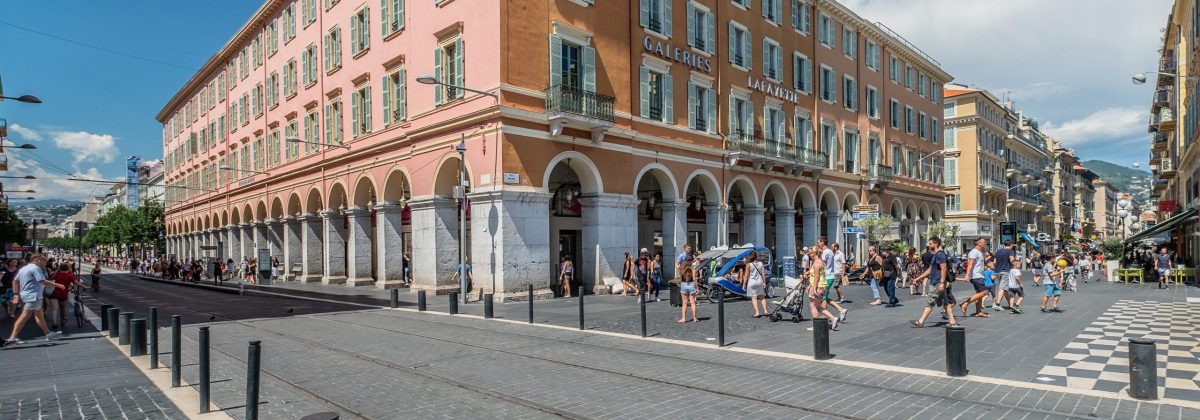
[1105, 213]
[602, 128]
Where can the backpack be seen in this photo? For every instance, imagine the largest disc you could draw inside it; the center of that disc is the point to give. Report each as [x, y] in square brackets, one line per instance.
[955, 267]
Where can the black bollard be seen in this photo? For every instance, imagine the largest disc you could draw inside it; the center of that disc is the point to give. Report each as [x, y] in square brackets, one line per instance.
[176, 363]
[153, 325]
[123, 337]
[203, 368]
[1143, 369]
[956, 350]
[114, 327]
[421, 300]
[720, 318]
[394, 294]
[104, 316]
[453, 303]
[253, 354]
[488, 310]
[581, 308]
[821, 338]
[137, 337]
[531, 304]
[642, 306]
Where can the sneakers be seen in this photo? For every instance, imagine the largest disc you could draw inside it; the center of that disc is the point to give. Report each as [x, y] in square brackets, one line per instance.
[842, 316]
[833, 326]
[53, 335]
[1056, 310]
[1015, 310]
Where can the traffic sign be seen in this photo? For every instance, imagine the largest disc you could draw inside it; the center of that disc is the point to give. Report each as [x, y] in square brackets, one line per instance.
[850, 230]
[865, 208]
[863, 215]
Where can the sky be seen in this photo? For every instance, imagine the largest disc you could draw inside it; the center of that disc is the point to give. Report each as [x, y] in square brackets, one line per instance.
[1066, 63]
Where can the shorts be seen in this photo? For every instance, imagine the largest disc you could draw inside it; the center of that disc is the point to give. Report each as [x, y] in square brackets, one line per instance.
[641, 281]
[1163, 272]
[60, 299]
[1037, 271]
[33, 305]
[1052, 290]
[1016, 292]
[687, 288]
[979, 285]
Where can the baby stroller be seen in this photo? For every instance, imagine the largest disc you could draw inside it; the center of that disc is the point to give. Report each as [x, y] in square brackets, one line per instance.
[792, 302]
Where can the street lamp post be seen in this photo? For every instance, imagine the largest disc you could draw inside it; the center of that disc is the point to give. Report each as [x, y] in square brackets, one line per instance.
[29, 99]
[33, 232]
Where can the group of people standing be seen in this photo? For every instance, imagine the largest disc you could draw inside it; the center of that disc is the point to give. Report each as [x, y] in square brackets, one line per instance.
[36, 288]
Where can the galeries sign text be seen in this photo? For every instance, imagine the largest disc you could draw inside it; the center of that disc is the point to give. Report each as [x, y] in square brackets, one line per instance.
[681, 55]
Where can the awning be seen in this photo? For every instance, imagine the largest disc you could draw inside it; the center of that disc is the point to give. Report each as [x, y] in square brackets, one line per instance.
[1027, 238]
[1164, 226]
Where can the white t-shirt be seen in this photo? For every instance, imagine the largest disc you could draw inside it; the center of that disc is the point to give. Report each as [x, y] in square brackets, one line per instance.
[977, 265]
[29, 282]
[1012, 278]
[827, 258]
[839, 263]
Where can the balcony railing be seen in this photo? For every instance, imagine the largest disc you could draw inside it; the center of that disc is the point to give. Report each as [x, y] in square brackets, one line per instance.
[1166, 167]
[574, 100]
[881, 172]
[1162, 97]
[1166, 64]
[785, 152]
[989, 183]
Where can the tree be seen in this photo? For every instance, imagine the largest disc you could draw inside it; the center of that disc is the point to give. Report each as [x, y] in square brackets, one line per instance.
[947, 232]
[1112, 247]
[876, 228]
[68, 243]
[12, 228]
[124, 227]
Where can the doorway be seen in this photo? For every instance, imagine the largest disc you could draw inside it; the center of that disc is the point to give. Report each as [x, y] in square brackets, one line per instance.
[568, 247]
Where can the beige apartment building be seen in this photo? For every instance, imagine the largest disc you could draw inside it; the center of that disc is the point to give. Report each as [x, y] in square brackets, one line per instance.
[1105, 213]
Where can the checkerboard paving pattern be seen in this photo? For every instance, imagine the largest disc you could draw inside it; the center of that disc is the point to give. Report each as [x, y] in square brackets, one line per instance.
[1098, 359]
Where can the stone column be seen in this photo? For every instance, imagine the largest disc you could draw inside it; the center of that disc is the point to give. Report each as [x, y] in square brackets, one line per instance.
[510, 242]
[389, 245]
[713, 221]
[609, 231]
[334, 247]
[358, 247]
[234, 243]
[274, 230]
[312, 248]
[675, 234]
[753, 225]
[247, 249]
[833, 226]
[292, 243]
[260, 240]
[812, 226]
[785, 233]
[219, 239]
[435, 244]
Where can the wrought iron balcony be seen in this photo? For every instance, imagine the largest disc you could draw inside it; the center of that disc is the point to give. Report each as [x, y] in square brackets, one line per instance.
[571, 106]
[882, 173]
[1166, 167]
[766, 153]
[991, 185]
[1166, 119]
[1162, 97]
[1161, 141]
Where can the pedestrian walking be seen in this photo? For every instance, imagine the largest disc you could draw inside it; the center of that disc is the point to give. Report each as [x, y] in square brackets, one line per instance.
[975, 268]
[7, 283]
[1053, 271]
[60, 297]
[566, 274]
[687, 286]
[1162, 266]
[818, 287]
[274, 269]
[643, 270]
[627, 276]
[1016, 291]
[1005, 259]
[873, 273]
[937, 275]
[656, 280]
[839, 267]
[833, 274]
[912, 270]
[754, 282]
[31, 281]
[890, 273]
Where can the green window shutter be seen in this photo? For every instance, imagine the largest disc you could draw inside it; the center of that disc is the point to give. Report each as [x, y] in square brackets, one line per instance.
[749, 123]
[437, 73]
[328, 126]
[747, 45]
[387, 99]
[780, 126]
[354, 114]
[644, 91]
[354, 34]
[691, 24]
[366, 28]
[337, 47]
[732, 116]
[328, 50]
[401, 90]
[398, 12]
[555, 60]
[589, 69]
[710, 107]
[778, 59]
[778, 12]
[691, 106]
[367, 110]
[766, 57]
[644, 13]
[383, 18]
[808, 75]
[710, 22]
[666, 17]
[668, 100]
[733, 43]
[763, 5]
[460, 70]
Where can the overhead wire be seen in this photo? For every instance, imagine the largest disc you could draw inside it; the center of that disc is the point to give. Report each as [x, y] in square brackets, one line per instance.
[98, 48]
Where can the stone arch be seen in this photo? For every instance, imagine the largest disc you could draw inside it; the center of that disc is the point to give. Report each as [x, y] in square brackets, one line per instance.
[874, 199]
[260, 211]
[830, 200]
[293, 204]
[849, 201]
[235, 217]
[664, 177]
[805, 197]
[337, 196]
[925, 213]
[588, 173]
[897, 210]
[207, 222]
[314, 202]
[247, 214]
[396, 187]
[707, 183]
[910, 211]
[776, 191]
[365, 192]
[224, 217]
[447, 176]
[744, 186]
[277, 208]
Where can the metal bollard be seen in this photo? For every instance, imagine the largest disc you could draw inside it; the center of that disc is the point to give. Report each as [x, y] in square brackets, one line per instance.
[241, 288]
[453, 303]
[203, 368]
[956, 351]
[253, 354]
[137, 337]
[821, 338]
[153, 324]
[104, 316]
[176, 363]
[721, 319]
[421, 300]
[1143, 369]
[488, 310]
[642, 306]
[123, 337]
[394, 295]
[581, 308]
[531, 304]
[114, 327]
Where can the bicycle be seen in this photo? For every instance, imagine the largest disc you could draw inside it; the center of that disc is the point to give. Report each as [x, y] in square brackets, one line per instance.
[78, 307]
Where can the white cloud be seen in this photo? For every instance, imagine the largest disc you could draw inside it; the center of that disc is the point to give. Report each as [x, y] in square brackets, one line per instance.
[86, 146]
[25, 132]
[1035, 91]
[49, 185]
[1101, 126]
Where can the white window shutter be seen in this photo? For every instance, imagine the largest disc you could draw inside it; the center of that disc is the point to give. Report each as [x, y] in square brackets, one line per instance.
[764, 5]
[644, 92]
[354, 34]
[778, 12]
[354, 114]
[691, 24]
[766, 56]
[644, 13]
[747, 46]
[668, 100]
[710, 23]
[666, 18]
[778, 59]
[461, 72]
[589, 69]
[733, 43]
[780, 126]
[691, 106]
[437, 73]
[555, 60]
[328, 125]
[401, 90]
[710, 106]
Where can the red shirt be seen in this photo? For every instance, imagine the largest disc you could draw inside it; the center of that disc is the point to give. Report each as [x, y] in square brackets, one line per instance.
[64, 278]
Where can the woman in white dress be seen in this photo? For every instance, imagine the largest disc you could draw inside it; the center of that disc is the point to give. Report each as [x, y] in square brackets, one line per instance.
[754, 280]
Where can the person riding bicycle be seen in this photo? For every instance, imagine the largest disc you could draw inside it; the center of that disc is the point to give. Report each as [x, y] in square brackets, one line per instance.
[96, 278]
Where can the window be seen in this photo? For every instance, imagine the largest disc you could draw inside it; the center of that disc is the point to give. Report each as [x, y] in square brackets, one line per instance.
[874, 150]
[330, 3]
[309, 10]
[850, 138]
[908, 77]
[801, 16]
[923, 125]
[312, 126]
[935, 91]
[291, 131]
[825, 29]
[872, 102]
[572, 65]
[741, 116]
[949, 109]
[951, 172]
[772, 11]
[271, 33]
[395, 97]
[952, 201]
[897, 159]
[850, 92]
[894, 113]
[951, 137]
[243, 109]
[256, 102]
[448, 66]
[739, 46]
[260, 155]
[934, 129]
[333, 121]
[894, 69]
[828, 84]
[872, 55]
[309, 59]
[702, 34]
[360, 111]
[774, 124]
[829, 143]
[804, 130]
[273, 90]
[702, 110]
[656, 95]
[772, 68]
[744, 4]
[360, 31]
[849, 42]
[273, 149]
[655, 15]
[256, 51]
[909, 120]
[289, 78]
[288, 21]
[923, 85]
[913, 163]
[333, 49]
[222, 129]
[801, 73]
[391, 13]
[244, 64]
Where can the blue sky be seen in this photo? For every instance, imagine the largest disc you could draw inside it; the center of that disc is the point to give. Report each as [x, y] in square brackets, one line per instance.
[1072, 75]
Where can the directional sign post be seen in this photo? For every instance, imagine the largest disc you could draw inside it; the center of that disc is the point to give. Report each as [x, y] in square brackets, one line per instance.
[850, 230]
